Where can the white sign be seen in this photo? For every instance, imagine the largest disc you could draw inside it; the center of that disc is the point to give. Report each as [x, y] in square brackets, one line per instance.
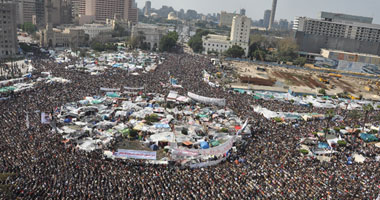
[124, 153]
[207, 100]
[110, 89]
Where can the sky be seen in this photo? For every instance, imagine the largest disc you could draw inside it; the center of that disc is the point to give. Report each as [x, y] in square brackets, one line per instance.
[286, 9]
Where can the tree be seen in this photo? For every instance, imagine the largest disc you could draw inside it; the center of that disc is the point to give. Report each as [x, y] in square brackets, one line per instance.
[328, 115]
[168, 41]
[322, 91]
[119, 31]
[29, 27]
[235, 52]
[367, 109]
[195, 42]
[137, 41]
[301, 61]
[286, 50]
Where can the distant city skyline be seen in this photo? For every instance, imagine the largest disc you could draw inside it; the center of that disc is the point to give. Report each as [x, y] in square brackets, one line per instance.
[286, 9]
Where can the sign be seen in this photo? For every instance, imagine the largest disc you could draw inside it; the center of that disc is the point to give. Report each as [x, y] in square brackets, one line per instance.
[124, 153]
[45, 119]
[110, 89]
[219, 150]
[207, 100]
[131, 88]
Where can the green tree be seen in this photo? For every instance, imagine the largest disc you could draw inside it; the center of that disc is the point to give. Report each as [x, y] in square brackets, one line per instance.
[368, 108]
[329, 114]
[195, 42]
[286, 50]
[168, 41]
[235, 52]
[301, 61]
[29, 27]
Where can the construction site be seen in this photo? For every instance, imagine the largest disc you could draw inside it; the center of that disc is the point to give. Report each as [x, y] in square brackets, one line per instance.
[249, 76]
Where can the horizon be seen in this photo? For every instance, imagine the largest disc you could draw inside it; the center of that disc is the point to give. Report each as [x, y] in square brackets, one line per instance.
[286, 9]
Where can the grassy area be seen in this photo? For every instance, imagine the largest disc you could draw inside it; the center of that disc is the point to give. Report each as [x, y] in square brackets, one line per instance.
[5, 189]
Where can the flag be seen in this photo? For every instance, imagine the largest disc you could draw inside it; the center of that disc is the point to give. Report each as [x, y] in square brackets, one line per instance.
[27, 120]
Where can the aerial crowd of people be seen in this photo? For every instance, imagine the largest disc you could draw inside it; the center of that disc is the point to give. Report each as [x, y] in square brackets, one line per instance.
[42, 167]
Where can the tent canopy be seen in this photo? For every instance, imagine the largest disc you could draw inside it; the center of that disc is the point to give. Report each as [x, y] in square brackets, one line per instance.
[204, 145]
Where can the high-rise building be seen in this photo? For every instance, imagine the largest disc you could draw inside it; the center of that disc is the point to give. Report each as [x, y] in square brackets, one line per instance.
[226, 18]
[338, 31]
[240, 31]
[25, 11]
[266, 18]
[102, 10]
[242, 11]
[8, 27]
[75, 7]
[147, 8]
[272, 14]
[40, 13]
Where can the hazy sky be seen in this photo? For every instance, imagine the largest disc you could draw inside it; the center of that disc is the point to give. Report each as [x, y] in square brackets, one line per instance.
[286, 9]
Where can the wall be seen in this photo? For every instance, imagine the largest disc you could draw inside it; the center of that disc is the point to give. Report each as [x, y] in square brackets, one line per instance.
[314, 44]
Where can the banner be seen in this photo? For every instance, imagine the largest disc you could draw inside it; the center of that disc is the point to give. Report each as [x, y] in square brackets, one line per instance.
[45, 119]
[216, 151]
[124, 153]
[131, 88]
[110, 89]
[243, 128]
[207, 100]
[208, 163]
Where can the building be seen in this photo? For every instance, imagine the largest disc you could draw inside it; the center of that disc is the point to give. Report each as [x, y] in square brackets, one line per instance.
[147, 8]
[283, 24]
[240, 31]
[39, 19]
[272, 14]
[152, 33]
[266, 18]
[351, 57]
[242, 11]
[53, 37]
[62, 10]
[338, 31]
[8, 27]
[226, 18]
[101, 10]
[75, 8]
[172, 16]
[93, 30]
[215, 43]
[26, 9]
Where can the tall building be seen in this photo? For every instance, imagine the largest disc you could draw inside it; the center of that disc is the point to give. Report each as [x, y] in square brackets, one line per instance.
[226, 18]
[338, 31]
[40, 13]
[240, 31]
[242, 11]
[26, 9]
[266, 18]
[75, 7]
[8, 27]
[272, 14]
[147, 8]
[108, 9]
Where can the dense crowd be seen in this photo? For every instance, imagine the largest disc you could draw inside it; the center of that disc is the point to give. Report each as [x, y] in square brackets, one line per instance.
[45, 168]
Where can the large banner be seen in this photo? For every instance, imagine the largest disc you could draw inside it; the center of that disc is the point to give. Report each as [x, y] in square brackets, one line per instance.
[110, 89]
[131, 88]
[208, 163]
[207, 100]
[216, 151]
[124, 153]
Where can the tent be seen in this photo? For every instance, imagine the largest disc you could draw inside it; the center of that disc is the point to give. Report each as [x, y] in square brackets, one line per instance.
[204, 145]
[154, 147]
[113, 95]
[215, 143]
[368, 137]
[96, 101]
